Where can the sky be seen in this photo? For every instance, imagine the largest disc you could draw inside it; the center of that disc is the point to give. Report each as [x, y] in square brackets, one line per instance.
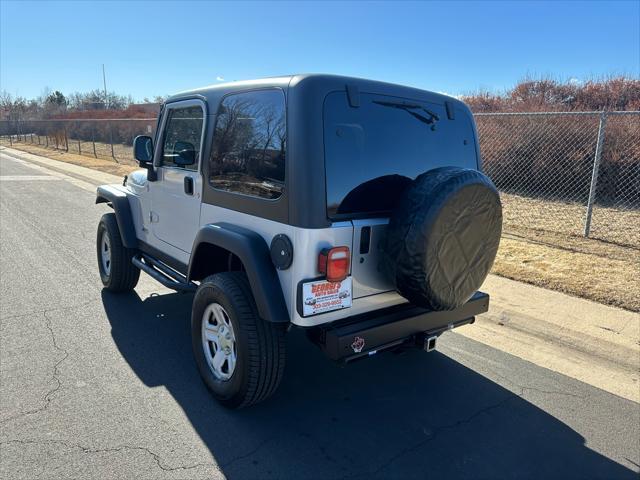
[159, 48]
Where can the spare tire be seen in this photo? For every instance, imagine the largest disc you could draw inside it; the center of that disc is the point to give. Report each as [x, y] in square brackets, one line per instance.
[443, 237]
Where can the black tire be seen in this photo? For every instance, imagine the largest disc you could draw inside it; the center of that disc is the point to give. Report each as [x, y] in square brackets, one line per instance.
[121, 276]
[260, 345]
[443, 237]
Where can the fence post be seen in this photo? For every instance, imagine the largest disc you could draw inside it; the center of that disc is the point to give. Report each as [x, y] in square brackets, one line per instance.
[10, 140]
[93, 140]
[79, 148]
[66, 139]
[594, 173]
[113, 154]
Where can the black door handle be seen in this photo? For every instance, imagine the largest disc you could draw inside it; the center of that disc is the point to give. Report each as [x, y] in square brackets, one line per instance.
[188, 185]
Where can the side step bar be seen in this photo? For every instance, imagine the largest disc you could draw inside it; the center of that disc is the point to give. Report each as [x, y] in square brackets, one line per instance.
[163, 274]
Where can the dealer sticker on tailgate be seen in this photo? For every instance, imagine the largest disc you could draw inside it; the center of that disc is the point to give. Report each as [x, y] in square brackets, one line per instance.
[323, 296]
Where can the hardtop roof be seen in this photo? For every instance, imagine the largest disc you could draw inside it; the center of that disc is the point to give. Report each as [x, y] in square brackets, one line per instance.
[317, 81]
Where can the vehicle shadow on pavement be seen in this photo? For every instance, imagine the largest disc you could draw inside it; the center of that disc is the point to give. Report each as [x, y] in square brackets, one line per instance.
[393, 416]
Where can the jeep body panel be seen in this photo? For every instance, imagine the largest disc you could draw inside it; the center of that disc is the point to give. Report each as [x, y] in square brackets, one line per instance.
[119, 200]
[253, 252]
[307, 244]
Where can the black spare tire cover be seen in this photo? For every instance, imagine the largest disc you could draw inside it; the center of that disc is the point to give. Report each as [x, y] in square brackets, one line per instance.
[443, 237]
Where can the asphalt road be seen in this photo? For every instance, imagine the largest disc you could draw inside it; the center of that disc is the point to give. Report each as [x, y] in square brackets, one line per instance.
[95, 385]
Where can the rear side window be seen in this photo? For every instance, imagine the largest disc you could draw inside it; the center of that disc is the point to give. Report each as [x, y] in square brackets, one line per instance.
[374, 151]
[249, 146]
[182, 136]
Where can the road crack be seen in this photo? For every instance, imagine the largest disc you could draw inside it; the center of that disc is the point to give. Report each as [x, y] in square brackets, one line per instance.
[436, 432]
[246, 455]
[523, 388]
[47, 398]
[65, 355]
[90, 450]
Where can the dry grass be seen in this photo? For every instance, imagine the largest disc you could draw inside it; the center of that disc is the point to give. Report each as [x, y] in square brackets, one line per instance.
[613, 225]
[107, 165]
[553, 255]
[543, 245]
[586, 268]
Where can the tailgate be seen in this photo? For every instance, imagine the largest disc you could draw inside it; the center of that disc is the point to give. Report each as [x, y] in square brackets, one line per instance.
[367, 280]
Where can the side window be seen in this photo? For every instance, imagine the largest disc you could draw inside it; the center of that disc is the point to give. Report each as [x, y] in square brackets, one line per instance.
[249, 149]
[182, 135]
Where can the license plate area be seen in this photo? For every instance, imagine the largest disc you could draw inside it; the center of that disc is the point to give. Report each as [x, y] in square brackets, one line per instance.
[321, 296]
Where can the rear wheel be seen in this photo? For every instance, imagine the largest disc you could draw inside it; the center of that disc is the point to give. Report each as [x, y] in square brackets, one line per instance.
[117, 272]
[239, 356]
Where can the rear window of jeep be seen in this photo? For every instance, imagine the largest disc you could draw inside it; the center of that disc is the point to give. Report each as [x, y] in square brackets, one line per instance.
[373, 151]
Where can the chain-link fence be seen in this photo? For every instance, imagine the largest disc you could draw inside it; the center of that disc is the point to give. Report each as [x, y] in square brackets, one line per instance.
[568, 173]
[100, 138]
[572, 173]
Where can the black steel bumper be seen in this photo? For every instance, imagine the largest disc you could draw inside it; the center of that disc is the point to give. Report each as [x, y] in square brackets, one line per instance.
[370, 333]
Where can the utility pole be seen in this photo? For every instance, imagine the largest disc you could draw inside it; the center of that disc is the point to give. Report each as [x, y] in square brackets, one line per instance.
[104, 81]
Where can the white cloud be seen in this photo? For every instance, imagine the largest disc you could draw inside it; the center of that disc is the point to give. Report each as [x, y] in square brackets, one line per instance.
[219, 78]
[575, 81]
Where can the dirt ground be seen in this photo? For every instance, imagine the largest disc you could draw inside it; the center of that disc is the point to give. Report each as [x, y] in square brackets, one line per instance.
[541, 245]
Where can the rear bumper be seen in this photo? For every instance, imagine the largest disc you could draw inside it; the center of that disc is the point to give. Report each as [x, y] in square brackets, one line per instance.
[368, 333]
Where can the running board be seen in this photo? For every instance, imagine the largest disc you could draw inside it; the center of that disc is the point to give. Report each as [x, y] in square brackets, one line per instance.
[163, 274]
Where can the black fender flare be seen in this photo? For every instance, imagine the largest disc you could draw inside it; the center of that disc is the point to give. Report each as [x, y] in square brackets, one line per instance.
[120, 204]
[253, 252]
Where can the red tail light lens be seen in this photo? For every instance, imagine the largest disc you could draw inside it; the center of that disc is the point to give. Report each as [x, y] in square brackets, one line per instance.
[334, 263]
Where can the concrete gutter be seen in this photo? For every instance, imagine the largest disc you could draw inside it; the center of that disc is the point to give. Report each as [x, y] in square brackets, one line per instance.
[594, 343]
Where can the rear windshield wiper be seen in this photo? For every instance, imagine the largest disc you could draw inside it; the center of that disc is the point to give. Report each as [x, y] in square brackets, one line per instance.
[409, 108]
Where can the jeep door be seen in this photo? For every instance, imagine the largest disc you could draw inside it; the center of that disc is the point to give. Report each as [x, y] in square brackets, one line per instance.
[176, 195]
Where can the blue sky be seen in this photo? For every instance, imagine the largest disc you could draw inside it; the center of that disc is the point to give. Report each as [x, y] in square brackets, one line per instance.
[157, 48]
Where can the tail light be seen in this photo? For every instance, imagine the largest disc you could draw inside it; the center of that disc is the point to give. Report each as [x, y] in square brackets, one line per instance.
[334, 263]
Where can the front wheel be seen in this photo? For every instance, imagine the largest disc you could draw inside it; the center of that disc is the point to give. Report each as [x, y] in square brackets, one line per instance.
[239, 356]
[117, 273]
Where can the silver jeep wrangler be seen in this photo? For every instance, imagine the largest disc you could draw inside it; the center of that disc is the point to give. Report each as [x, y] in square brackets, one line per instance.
[351, 208]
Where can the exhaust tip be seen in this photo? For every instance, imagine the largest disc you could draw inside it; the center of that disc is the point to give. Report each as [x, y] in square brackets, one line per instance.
[430, 344]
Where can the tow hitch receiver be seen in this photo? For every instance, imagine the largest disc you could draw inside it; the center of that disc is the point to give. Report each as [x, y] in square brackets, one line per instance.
[430, 343]
[369, 333]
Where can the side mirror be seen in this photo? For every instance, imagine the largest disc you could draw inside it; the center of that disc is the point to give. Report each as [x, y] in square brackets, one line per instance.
[143, 149]
[143, 153]
[185, 154]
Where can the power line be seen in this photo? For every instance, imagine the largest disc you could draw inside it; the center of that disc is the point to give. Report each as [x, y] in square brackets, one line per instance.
[104, 81]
